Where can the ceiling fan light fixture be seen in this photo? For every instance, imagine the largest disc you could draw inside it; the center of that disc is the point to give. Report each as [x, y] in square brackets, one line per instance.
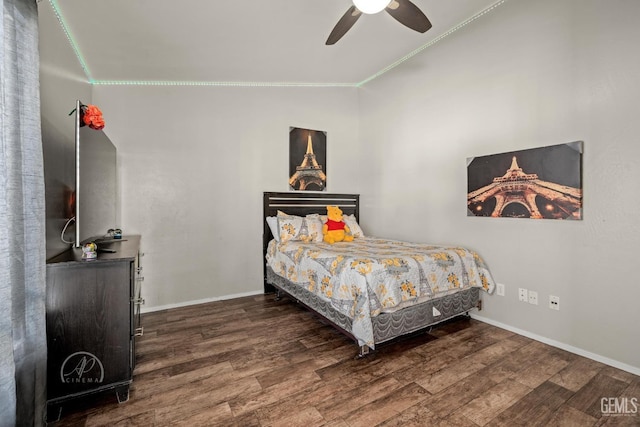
[371, 6]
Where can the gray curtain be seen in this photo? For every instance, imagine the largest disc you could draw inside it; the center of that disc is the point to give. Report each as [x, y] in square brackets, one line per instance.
[23, 344]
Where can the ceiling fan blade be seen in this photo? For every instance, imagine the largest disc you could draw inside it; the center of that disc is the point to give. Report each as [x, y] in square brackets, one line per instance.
[409, 15]
[343, 25]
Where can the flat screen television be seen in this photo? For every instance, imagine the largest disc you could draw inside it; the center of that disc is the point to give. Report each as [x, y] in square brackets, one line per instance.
[96, 183]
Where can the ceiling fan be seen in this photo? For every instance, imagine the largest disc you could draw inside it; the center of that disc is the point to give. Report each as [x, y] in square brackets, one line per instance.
[403, 11]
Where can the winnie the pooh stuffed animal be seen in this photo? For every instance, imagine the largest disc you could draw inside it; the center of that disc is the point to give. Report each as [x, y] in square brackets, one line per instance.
[335, 229]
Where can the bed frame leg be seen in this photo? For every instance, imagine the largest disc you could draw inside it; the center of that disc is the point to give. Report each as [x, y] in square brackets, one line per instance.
[277, 297]
[364, 350]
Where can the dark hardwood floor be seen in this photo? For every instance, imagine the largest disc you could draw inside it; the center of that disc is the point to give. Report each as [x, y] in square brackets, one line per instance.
[257, 362]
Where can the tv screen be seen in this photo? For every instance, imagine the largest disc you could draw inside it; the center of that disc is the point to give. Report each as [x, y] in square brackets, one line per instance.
[96, 184]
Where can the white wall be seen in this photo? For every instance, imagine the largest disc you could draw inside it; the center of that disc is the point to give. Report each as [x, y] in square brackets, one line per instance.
[529, 74]
[194, 162]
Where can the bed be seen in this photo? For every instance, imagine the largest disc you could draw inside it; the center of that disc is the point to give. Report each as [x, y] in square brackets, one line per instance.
[373, 290]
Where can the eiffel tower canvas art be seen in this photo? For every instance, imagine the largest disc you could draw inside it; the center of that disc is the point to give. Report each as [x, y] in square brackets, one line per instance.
[307, 159]
[538, 183]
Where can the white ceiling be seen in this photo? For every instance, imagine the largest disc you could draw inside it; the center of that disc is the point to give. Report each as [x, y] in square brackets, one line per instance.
[245, 41]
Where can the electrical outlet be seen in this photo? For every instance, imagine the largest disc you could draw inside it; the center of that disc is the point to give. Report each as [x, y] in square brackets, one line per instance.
[523, 295]
[533, 297]
[554, 302]
[500, 289]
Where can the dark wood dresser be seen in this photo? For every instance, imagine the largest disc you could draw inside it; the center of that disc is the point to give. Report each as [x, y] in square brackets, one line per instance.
[93, 318]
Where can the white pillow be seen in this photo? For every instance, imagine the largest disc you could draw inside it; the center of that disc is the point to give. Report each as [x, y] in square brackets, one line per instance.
[292, 227]
[272, 222]
[353, 225]
[314, 227]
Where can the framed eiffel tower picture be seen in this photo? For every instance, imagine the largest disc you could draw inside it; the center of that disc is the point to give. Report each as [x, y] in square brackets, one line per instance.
[537, 183]
[307, 159]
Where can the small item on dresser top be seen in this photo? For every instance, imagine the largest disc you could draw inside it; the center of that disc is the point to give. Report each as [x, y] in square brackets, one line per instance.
[114, 233]
[89, 251]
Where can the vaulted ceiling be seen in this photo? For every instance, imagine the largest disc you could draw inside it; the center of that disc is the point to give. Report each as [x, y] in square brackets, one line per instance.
[246, 41]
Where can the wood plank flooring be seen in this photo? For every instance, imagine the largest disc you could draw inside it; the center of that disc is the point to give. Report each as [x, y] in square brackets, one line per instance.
[258, 362]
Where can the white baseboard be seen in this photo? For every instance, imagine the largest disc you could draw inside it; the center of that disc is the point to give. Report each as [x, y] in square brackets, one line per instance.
[200, 301]
[571, 349]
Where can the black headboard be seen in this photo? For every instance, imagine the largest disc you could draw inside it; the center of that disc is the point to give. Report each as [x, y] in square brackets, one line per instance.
[302, 204]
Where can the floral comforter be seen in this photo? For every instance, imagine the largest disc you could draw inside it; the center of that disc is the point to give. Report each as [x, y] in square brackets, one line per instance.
[368, 276]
